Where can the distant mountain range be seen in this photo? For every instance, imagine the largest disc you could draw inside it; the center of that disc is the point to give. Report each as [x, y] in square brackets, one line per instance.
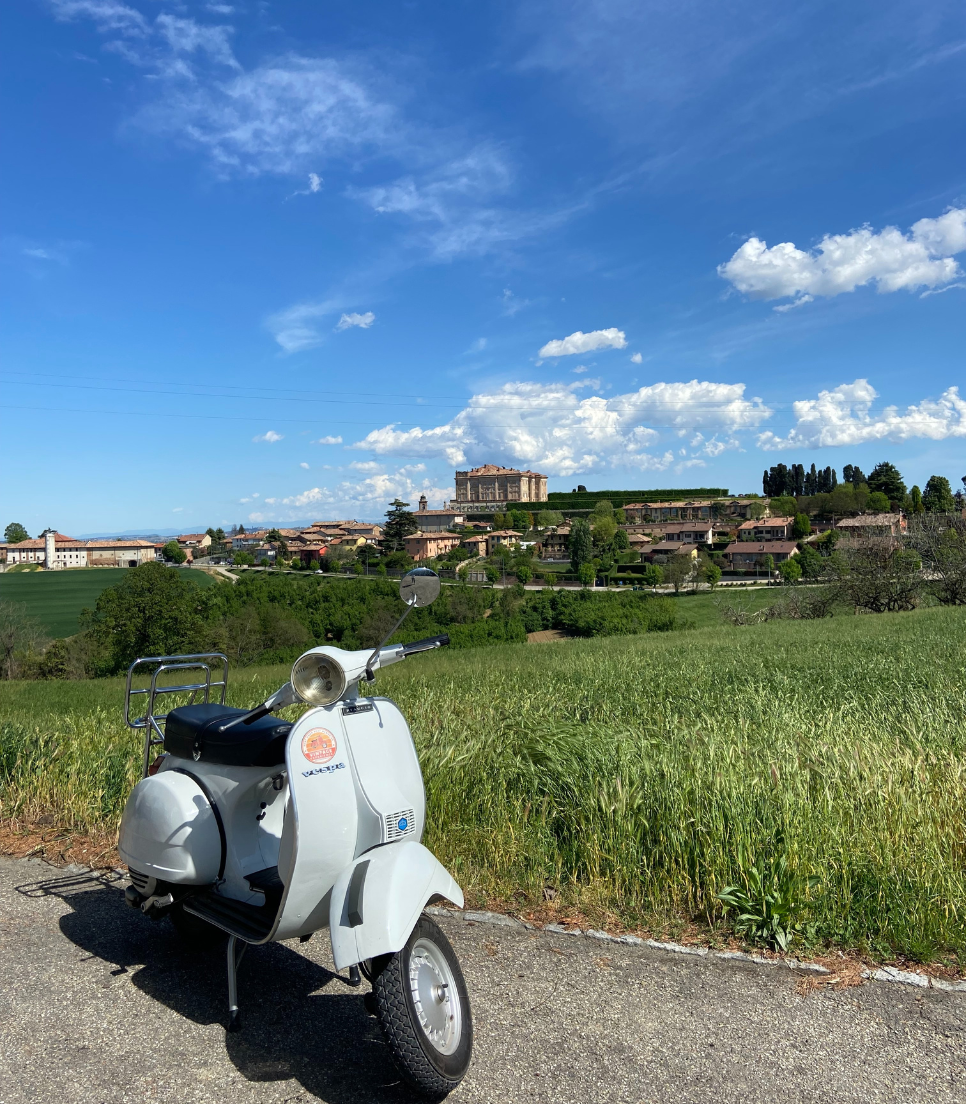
[165, 534]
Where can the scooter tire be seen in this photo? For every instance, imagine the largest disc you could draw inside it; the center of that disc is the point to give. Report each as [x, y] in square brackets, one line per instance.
[431, 1061]
[195, 932]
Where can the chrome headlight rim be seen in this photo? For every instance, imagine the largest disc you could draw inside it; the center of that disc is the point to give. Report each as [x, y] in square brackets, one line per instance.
[318, 679]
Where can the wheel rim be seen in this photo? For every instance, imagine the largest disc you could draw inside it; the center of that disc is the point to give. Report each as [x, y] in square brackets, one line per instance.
[435, 996]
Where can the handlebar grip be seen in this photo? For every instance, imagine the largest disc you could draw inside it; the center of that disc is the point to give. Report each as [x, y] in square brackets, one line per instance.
[425, 645]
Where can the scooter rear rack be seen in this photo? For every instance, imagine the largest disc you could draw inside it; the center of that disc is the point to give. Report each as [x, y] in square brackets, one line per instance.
[150, 720]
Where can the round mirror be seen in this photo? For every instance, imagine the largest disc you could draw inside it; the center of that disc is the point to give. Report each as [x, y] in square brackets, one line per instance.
[419, 587]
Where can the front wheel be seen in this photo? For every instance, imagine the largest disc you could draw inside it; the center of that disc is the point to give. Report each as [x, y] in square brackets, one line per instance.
[424, 1011]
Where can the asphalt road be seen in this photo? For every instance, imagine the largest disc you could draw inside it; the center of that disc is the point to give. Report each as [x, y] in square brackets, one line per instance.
[99, 1005]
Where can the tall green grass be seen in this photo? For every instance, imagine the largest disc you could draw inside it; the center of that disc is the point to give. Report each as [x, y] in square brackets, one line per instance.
[639, 776]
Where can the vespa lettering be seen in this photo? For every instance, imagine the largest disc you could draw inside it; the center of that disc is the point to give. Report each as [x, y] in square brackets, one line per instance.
[324, 770]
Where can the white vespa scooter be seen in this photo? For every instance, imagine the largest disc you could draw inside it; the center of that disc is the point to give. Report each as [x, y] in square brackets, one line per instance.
[271, 830]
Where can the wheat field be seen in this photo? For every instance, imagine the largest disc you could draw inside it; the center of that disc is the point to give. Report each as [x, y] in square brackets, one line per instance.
[632, 779]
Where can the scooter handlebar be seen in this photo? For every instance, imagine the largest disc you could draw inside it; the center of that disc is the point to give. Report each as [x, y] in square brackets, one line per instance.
[426, 645]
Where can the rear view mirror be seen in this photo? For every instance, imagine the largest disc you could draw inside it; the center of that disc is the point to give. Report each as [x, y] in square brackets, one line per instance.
[419, 587]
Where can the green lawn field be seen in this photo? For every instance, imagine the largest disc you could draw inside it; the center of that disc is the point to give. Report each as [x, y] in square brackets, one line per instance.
[56, 598]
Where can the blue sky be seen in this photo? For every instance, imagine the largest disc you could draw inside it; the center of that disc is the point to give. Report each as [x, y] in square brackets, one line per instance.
[269, 260]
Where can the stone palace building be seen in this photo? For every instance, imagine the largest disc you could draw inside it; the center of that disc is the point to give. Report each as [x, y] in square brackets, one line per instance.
[490, 487]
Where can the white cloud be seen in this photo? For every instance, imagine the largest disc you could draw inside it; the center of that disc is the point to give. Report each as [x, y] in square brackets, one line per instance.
[177, 510]
[328, 441]
[304, 465]
[844, 416]
[477, 347]
[296, 329]
[636, 358]
[368, 497]
[268, 438]
[363, 321]
[108, 15]
[551, 428]
[580, 342]
[840, 263]
[580, 369]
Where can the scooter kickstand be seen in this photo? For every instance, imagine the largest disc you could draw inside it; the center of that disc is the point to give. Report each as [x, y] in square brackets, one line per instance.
[234, 1019]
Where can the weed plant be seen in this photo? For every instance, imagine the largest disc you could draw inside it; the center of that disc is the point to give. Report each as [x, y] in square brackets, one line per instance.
[812, 772]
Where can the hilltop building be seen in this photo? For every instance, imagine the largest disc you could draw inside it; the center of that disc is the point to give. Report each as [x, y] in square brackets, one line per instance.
[57, 552]
[490, 487]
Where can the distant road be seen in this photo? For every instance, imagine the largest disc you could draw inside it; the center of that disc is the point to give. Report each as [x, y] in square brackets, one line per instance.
[100, 1006]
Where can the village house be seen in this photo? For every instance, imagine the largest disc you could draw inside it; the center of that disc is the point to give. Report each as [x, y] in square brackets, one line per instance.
[637, 512]
[766, 529]
[245, 542]
[555, 544]
[660, 552]
[57, 552]
[437, 521]
[477, 544]
[704, 509]
[427, 546]
[501, 536]
[194, 540]
[52, 549]
[120, 553]
[747, 555]
[491, 487]
[890, 525]
[687, 533]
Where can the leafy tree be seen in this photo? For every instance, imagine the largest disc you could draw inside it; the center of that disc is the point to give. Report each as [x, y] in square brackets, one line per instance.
[854, 475]
[756, 510]
[19, 633]
[620, 517]
[652, 575]
[712, 574]
[604, 531]
[521, 519]
[621, 541]
[273, 536]
[174, 552]
[876, 573]
[400, 523]
[878, 503]
[915, 501]
[581, 544]
[524, 574]
[587, 573]
[802, 526]
[492, 573]
[885, 477]
[783, 506]
[15, 533]
[501, 521]
[677, 571]
[768, 563]
[937, 498]
[152, 611]
[941, 541]
[546, 518]
[243, 559]
[790, 570]
[812, 563]
[603, 508]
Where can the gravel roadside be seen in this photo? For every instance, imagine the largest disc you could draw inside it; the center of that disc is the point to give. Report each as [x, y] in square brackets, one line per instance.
[99, 1005]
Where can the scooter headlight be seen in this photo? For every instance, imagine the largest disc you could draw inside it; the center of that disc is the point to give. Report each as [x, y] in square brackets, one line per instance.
[318, 678]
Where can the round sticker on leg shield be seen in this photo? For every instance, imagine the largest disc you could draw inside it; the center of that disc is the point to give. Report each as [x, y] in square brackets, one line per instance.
[318, 745]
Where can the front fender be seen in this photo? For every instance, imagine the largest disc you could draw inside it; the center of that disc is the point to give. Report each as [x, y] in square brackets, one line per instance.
[377, 900]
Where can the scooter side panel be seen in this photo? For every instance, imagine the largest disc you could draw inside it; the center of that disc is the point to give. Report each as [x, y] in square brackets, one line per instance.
[321, 824]
[378, 898]
[387, 769]
[169, 831]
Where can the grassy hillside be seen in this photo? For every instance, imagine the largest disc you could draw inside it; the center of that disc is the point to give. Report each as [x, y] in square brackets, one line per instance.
[820, 762]
[56, 598]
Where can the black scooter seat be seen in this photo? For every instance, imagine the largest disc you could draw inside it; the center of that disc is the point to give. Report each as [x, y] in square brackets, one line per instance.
[207, 733]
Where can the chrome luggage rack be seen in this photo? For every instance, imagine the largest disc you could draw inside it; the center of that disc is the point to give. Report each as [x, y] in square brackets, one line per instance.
[204, 661]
